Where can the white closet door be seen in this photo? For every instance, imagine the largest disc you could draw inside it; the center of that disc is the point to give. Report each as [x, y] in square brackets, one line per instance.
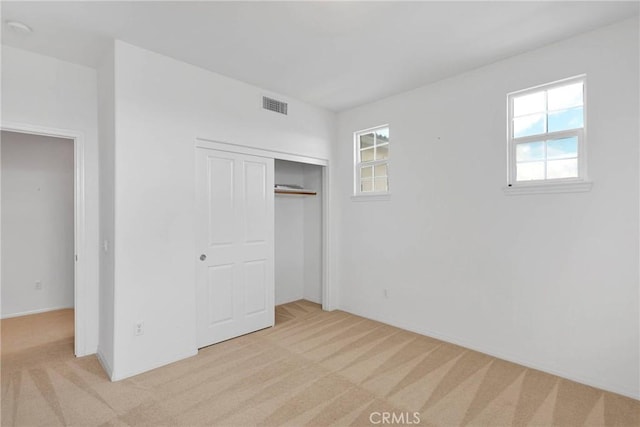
[235, 237]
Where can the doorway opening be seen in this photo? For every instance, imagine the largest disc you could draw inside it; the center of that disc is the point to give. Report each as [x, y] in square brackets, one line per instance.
[37, 241]
[42, 229]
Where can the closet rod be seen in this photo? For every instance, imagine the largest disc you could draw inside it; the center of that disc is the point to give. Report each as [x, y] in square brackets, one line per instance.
[296, 192]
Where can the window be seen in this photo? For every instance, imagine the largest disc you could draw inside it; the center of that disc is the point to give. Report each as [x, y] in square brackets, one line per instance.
[372, 161]
[546, 134]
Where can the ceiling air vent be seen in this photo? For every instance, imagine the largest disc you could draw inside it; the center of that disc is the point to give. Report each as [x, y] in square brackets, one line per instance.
[274, 105]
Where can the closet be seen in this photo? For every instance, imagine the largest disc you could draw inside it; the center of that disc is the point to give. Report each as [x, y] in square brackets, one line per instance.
[298, 232]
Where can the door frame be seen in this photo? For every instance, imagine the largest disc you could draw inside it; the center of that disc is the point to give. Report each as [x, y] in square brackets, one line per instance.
[327, 302]
[80, 284]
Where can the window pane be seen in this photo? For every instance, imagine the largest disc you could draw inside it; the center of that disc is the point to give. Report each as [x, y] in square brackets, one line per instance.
[565, 97]
[566, 119]
[382, 135]
[366, 141]
[528, 104]
[530, 151]
[528, 125]
[366, 155]
[562, 168]
[366, 186]
[382, 152]
[562, 148]
[529, 171]
[366, 172]
[381, 170]
[382, 184]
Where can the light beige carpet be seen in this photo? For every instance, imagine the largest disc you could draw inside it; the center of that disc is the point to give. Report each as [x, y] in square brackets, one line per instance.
[25, 332]
[313, 368]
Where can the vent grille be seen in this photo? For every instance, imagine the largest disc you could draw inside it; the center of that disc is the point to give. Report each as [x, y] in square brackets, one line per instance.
[274, 105]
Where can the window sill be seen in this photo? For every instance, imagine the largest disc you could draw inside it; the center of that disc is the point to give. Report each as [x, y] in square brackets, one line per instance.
[371, 197]
[548, 188]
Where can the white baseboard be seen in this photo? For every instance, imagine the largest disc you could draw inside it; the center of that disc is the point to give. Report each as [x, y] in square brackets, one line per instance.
[288, 300]
[119, 375]
[315, 300]
[105, 365]
[593, 382]
[28, 312]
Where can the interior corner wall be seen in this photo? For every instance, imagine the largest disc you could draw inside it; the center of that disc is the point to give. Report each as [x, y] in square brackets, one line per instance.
[312, 231]
[43, 91]
[549, 281]
[289, 235]
[37, 224]
[162, 106]
[106, 128]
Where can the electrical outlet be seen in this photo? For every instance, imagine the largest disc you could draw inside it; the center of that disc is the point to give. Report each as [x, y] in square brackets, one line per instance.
[139, 328]
[38, 285]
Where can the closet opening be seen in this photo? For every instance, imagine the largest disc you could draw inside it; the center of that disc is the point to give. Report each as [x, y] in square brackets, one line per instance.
[262, 252]
[298, 237]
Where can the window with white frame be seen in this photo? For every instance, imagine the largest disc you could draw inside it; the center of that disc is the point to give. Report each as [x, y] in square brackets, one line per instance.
[372, 161]
[547, 133]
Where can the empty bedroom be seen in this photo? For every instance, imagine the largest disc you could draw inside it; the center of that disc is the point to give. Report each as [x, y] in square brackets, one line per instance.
[320, 213]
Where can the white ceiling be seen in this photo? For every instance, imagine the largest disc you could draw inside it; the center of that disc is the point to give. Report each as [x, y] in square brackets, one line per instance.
[332, 54]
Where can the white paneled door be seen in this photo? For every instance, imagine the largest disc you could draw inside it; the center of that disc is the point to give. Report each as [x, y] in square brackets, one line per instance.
[235, 240]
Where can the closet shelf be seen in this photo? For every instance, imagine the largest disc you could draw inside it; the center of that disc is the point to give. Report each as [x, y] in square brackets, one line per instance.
[296, 191]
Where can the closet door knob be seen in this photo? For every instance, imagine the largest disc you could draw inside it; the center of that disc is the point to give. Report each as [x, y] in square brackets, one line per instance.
[203, 257]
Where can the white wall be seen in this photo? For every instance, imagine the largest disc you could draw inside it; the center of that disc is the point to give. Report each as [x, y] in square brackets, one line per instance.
[312, 234]
[549, 281]
[162, 106]
[37, 223]
[39, 90]
[106, 128]
[289, 235]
